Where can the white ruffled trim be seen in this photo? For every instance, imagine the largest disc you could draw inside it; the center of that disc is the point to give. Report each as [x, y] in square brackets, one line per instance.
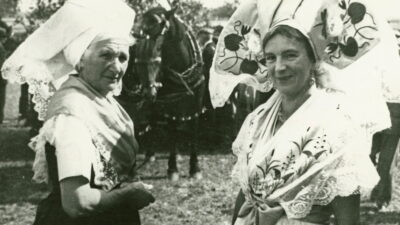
[352, 173]
[36, 75]
[37, 144]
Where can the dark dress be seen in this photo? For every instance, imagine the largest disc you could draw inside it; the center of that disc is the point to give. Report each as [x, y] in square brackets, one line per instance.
[385, 143]
[208, 55]
[50, 211]
[3, 83]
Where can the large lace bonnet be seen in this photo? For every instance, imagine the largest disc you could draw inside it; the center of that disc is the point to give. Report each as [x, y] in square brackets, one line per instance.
[357, 48]
[53, 50]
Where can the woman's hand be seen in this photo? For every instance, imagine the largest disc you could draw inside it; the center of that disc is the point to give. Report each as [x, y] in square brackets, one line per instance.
[138, 194]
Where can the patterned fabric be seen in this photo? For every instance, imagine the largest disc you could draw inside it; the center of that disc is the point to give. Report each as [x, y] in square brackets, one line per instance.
[307, 162]
[110, 127]
[355, 47]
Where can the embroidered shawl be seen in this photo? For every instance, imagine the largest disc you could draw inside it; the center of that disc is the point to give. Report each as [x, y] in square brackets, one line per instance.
[110, 126]
[320, 152]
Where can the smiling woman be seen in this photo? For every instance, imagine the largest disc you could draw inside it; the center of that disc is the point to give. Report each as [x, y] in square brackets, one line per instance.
[295, 153]
[290, 61]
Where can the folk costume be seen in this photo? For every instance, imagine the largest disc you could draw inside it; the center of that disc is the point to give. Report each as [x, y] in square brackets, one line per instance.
[288, 175]
[84, 133]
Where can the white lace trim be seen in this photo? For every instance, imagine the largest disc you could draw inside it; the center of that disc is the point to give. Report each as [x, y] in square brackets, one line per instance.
[35, 74]
[105, 173]
[352, 172]
[37, 144]
[41, 83]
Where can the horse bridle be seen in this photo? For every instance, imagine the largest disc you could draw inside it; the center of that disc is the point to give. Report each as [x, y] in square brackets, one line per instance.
[159, 42]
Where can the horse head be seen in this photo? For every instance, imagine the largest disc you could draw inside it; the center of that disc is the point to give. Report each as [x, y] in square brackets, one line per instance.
[158, 26]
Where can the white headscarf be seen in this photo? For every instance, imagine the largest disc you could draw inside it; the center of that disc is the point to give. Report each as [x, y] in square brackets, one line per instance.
[54, 49]
[350, 40]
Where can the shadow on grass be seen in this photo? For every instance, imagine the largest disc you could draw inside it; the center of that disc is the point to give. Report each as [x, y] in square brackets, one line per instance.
[17, 186]
[14, 144]
[387, 218]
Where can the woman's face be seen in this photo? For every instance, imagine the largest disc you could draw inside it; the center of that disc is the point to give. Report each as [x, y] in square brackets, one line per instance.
[288, 64]
[103, 65]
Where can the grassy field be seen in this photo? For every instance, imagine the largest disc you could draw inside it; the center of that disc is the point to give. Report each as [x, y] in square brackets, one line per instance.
[204, 202]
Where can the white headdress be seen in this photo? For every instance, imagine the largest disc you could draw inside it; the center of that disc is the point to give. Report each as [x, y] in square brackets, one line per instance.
[53, 50]
[349, 39]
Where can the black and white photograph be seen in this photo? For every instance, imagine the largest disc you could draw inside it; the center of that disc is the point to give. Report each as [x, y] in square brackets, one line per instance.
[197, 112]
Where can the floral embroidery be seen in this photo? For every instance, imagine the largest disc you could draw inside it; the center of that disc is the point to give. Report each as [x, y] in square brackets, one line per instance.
[275, 172]
[358, 25]
[246, 39]
[107, 176]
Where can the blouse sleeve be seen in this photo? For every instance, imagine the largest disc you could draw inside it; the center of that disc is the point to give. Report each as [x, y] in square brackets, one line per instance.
[75, 151]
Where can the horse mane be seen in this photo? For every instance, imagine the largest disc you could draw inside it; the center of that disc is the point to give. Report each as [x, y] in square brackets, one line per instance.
[177, 28]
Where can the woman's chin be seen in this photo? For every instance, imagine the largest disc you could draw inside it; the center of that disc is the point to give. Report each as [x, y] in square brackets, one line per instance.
[285, 89]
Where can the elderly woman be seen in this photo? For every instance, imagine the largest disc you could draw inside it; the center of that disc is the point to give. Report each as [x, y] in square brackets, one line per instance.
[86, 148]
[303, 154]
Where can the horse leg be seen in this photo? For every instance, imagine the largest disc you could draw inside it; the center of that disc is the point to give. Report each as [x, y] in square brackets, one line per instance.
[173, 173]
[194, 167]
[145, 139]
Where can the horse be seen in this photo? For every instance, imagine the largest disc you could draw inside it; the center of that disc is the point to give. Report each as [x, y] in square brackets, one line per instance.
[169, 64]
[244, 100]
[136, 105]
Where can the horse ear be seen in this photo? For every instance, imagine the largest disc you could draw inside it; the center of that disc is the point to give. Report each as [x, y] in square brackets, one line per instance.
[174, 7]
[170, 13]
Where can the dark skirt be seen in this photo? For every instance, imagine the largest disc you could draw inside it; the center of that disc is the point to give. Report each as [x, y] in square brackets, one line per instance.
[50, 211]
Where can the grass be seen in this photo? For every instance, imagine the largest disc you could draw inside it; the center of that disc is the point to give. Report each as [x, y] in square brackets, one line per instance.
[209, 201]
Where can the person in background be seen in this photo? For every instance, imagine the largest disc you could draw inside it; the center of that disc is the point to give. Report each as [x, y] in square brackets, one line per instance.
[3, 82]
[216, 33]
[86, 148]
[385, 144]
[208, 49]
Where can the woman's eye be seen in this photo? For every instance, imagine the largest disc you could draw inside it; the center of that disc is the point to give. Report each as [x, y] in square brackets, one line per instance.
[270, 58]
[107, 56]
[291, 56]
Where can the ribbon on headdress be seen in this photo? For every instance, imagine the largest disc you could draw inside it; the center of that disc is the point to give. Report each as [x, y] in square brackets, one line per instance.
[53, 50]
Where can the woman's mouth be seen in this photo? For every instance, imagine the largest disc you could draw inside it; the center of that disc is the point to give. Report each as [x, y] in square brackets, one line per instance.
[112, 78]
[284, 78]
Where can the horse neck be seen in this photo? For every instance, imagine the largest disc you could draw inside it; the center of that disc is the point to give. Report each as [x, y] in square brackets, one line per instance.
[178, 55]
[179, 50]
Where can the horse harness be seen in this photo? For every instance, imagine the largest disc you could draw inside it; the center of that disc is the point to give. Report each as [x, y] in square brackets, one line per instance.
[185, 77]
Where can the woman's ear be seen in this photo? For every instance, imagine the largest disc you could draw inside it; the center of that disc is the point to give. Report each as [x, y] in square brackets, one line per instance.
[79, 66]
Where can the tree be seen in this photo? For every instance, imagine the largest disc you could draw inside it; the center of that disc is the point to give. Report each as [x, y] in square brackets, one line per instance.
[190, 11]
[225, 11]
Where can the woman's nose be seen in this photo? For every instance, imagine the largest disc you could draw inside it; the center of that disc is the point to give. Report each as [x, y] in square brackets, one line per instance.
[116, 66]
[280, 65]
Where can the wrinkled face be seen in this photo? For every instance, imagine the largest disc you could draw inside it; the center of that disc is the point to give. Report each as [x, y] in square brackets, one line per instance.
[288, 64]
[103, 65]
